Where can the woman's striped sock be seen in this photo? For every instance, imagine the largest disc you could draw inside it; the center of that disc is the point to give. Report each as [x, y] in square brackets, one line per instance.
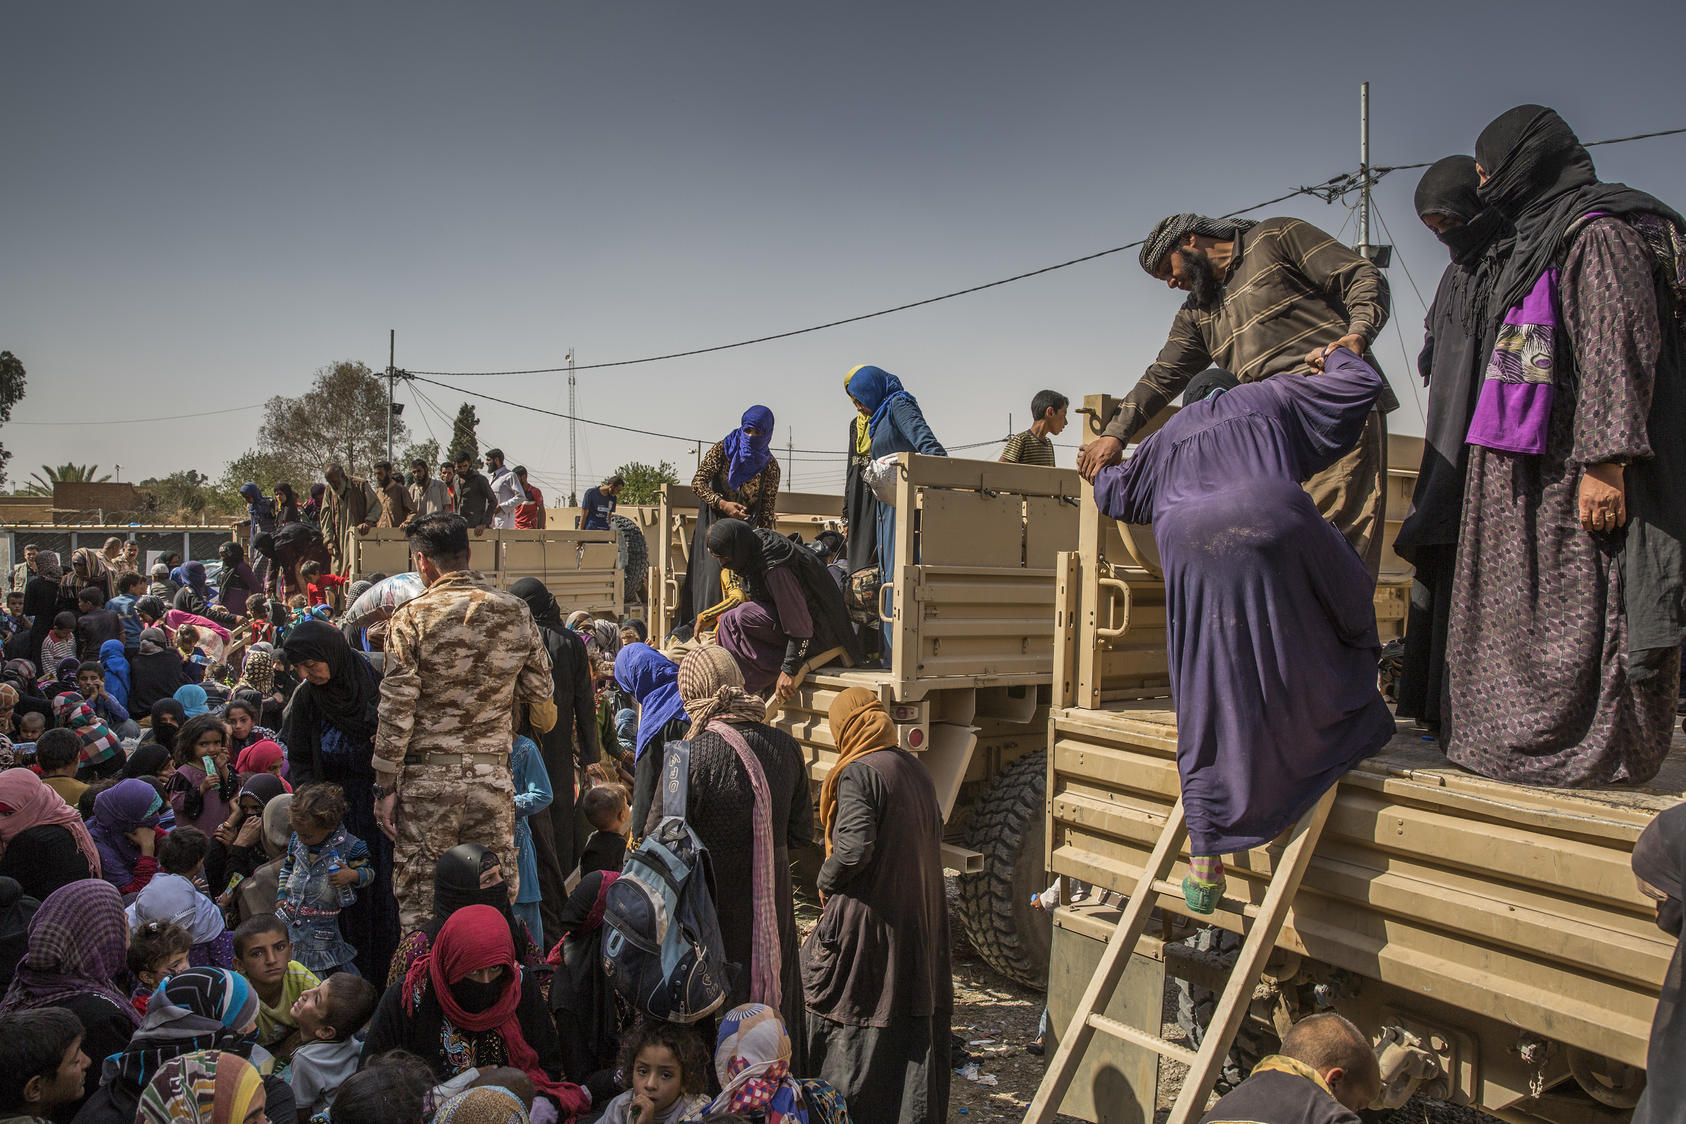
[1207, 868]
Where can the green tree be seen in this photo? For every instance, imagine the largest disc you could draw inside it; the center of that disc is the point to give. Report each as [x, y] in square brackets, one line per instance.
[11, 393]
[428, 451]
[41, 483]
[341, 420]
[465, 439]
[265, 469]
[187, 494]
[644, 481]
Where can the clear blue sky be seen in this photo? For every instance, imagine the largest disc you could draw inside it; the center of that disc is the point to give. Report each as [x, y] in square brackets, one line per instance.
[206, 202]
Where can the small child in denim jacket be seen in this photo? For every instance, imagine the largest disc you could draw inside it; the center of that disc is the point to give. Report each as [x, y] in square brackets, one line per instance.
[324, 868]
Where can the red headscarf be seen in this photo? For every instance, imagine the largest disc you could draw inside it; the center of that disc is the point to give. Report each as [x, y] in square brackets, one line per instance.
[475, 937]
[26, 802]
[258, 757]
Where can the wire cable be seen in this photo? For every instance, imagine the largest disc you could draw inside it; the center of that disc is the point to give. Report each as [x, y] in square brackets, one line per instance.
[1402, 265]
[1378, 171]
[148, 421]
[1328, 190]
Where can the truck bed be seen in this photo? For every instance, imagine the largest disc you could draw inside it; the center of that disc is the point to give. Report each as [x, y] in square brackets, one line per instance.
[1513, 902]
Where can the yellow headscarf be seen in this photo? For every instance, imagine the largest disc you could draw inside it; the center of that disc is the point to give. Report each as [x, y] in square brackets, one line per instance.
[862, 431]
[859, 725]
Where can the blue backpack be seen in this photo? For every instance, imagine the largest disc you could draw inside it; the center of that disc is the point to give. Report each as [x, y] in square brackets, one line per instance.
[661, 937]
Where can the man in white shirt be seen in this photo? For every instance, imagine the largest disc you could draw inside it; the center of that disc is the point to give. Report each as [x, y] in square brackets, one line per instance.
[506, 490]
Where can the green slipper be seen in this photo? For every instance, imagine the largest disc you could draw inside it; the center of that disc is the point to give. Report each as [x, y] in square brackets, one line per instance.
[1201, 895]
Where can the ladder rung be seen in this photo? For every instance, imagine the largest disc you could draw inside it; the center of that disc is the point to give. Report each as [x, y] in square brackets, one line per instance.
[1225, 905]
[1142, 1038]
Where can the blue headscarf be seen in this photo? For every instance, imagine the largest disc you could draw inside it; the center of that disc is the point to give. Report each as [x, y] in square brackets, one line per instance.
[653, 680]
[116, 666]
[875, 388]
[746, 456]
[193, 699]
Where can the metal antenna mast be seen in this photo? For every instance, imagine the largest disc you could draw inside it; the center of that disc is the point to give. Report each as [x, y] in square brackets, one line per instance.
[391, 380]
[573, 449]
[1364, 169]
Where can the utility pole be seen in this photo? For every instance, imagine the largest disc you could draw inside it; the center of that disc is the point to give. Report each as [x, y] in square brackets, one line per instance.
[699, 456]
[573, 455]
[790, 459]
[391, 378]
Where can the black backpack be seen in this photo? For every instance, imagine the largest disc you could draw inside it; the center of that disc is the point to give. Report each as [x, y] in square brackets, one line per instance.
[661, 937]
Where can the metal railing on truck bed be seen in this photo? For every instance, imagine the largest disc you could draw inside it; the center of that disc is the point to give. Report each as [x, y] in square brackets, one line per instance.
[579, 568]
[1496, 928]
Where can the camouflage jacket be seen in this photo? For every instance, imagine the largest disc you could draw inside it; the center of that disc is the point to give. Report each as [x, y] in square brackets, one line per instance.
[457, 659]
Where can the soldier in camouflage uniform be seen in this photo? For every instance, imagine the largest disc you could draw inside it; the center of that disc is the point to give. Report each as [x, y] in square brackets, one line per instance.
[458, 660]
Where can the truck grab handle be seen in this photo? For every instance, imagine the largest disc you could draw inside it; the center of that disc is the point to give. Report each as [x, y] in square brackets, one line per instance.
[1122, 590]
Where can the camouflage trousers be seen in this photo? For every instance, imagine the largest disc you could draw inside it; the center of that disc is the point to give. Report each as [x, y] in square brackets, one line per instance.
[440, 806]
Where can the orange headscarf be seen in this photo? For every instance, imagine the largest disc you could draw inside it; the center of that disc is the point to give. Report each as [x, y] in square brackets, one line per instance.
[859, 725]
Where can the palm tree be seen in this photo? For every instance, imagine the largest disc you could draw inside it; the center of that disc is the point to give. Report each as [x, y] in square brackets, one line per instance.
[41, 483]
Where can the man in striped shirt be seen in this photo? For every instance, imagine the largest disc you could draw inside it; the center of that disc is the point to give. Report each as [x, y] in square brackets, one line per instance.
[1035, 445]
[1264, 298]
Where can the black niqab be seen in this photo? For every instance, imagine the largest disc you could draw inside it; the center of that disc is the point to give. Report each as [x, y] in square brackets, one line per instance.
[349, 701]
[456, 884]
[735, 543]
[1659, 857]
[539, 601]
[1451, 189]
[1542, 179]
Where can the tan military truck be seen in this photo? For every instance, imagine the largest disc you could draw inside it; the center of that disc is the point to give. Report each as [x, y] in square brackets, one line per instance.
[971, 663]
[1490, 936]
[578, 567]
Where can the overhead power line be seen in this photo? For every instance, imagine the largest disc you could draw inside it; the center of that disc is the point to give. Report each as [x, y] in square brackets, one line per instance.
[1335, 185]
[1382, 170]
[1329, 190]
[148, 421]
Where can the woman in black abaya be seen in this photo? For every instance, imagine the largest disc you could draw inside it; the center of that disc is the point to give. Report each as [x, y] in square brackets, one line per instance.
[1460, 327]
[329, 731]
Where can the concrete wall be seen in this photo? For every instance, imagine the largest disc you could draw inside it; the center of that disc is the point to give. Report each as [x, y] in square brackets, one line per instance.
[96, 497]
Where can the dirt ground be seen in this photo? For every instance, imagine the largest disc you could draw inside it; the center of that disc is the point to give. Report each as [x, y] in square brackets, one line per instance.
[996, 1020]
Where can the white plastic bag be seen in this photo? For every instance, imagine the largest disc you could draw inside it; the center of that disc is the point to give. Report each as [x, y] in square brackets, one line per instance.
[380, 600]
[882, 475]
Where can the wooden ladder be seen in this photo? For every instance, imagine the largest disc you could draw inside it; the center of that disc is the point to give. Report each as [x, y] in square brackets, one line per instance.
[1204, 1066]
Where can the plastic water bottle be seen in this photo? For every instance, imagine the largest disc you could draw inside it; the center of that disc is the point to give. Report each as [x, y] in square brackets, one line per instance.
[348, 895]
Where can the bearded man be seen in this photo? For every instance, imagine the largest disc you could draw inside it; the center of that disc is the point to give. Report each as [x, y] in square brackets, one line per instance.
[1263, 298]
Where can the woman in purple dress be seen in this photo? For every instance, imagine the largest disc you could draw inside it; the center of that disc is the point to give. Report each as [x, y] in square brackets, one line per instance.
[1272, 625]
[792, 611]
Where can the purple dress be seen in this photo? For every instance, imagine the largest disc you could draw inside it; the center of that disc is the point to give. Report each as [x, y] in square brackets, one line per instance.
[1271, 620]
[757, 634]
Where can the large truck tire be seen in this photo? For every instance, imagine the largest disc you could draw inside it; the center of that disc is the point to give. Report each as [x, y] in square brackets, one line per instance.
[1195, 1004]
[634, 557]
[1008, 828]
